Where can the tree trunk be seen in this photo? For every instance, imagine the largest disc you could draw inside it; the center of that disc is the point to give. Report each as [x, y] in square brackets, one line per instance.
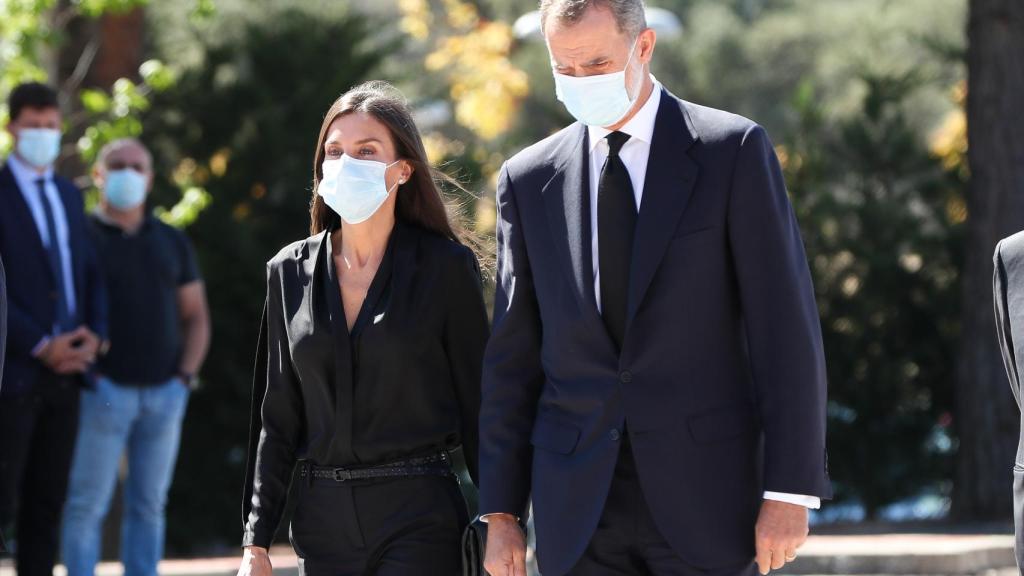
[986, 416]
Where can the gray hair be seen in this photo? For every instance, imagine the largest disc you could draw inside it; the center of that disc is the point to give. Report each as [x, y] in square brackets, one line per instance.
[114, 145]
[629, 14]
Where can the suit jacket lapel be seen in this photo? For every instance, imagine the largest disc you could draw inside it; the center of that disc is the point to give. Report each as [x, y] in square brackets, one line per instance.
[67, 197]
[23, 213]
[1011, 275]
[567, 199]
[668, 185]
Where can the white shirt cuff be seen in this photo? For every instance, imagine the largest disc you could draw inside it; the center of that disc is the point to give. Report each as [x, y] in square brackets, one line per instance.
[487, 517]
[812, 502]
[39, 346]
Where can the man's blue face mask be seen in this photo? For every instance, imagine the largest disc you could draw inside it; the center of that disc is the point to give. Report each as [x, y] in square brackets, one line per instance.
[600, 100]
[38, 146]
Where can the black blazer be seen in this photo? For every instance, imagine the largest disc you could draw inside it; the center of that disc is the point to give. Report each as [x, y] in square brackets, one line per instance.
[721, 378]
[406, 382]
[1008, 289]
[31, 292]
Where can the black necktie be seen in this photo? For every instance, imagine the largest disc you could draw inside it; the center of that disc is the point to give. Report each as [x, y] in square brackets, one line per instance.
[53, 255]
[616, 221]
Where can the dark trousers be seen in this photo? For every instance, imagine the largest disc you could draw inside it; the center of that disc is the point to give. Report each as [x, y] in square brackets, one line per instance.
[396, 527]
[37, 441]
[627, 541]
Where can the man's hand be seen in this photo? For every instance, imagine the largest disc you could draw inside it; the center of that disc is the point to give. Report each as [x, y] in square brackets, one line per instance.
[255, 562]
[71, 352]
[781, 529]
[506, 547]
[89, 343]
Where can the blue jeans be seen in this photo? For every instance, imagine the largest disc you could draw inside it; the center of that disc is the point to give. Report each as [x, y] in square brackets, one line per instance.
[145, 422]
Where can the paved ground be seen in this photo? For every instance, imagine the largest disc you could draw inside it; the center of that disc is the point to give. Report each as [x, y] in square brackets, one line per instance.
[928, 552]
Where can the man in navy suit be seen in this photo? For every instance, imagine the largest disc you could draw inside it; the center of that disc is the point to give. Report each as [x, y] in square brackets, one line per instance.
[655, 379]
[55, 327]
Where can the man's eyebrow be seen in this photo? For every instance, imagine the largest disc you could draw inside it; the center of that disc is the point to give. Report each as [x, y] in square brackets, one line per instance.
[596, 61]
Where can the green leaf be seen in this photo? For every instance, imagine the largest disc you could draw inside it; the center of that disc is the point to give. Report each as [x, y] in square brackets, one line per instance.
[95, 101]
[156, 75]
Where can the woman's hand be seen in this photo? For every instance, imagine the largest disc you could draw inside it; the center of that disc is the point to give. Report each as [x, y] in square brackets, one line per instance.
[255, 562]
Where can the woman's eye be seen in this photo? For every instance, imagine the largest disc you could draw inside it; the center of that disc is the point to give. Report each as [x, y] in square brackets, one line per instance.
[366, 151]
[333, 154]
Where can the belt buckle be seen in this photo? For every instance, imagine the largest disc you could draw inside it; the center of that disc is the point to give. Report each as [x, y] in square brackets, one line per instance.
[341, 475]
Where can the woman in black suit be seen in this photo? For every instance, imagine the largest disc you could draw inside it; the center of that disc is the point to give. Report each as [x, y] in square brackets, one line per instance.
[370, 360]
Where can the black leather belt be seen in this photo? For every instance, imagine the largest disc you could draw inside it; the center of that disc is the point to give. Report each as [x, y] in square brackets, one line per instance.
[438, 464]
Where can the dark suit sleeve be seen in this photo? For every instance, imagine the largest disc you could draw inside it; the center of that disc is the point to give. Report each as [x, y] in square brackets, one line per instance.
[276, 422]
[999, 297]
[513, 375]
[23, 332]
[781, 321]
[465, 336]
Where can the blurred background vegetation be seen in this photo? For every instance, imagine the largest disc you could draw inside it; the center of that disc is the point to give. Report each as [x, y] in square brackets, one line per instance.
[865, 101]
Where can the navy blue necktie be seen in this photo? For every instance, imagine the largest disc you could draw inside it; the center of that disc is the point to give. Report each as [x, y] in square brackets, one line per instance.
[59, 295]
[616, 222]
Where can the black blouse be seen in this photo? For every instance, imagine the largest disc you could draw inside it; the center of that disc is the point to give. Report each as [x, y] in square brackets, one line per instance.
[404, 382]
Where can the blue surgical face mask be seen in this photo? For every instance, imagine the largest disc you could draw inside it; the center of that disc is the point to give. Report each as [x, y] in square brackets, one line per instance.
[38, 146]
[125, 189]
[600, 100]
[355, 189]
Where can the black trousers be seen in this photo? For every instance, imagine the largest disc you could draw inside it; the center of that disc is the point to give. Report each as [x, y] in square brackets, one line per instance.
[37, 442]
[627, 541]
[394, 527]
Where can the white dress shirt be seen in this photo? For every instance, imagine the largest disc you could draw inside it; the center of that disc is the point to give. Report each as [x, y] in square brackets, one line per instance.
[634, 154]
[26, 179]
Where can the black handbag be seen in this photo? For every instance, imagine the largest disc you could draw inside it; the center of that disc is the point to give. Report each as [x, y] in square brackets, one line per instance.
[474, 538]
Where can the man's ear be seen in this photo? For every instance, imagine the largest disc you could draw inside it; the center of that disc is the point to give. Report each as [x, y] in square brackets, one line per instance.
[648, 38]
[97, 177]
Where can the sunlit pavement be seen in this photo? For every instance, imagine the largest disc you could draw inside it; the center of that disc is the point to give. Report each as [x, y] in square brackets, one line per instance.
[932, 554]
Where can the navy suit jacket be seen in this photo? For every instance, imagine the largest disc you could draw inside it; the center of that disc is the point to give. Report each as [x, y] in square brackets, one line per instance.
[32, 290]
[721, 378]
[1008, 292]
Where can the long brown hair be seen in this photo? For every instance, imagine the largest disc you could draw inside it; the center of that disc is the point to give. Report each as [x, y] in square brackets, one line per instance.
[419, 200]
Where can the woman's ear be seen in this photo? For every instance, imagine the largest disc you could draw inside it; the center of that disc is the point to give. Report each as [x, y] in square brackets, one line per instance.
[407, 171]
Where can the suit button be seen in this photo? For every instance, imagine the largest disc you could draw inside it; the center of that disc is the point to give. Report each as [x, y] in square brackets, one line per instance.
[53, 295]
[626, 377]
[615, 434]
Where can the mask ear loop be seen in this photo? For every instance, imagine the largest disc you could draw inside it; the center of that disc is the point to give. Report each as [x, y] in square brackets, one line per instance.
[639, 76]
[401, 179]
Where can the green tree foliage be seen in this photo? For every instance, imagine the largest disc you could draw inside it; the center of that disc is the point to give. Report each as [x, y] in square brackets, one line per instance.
[243, 124]
[882, 223]
[32, 35]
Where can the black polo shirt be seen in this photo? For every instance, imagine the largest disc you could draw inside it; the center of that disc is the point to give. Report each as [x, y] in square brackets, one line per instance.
[143, 272]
